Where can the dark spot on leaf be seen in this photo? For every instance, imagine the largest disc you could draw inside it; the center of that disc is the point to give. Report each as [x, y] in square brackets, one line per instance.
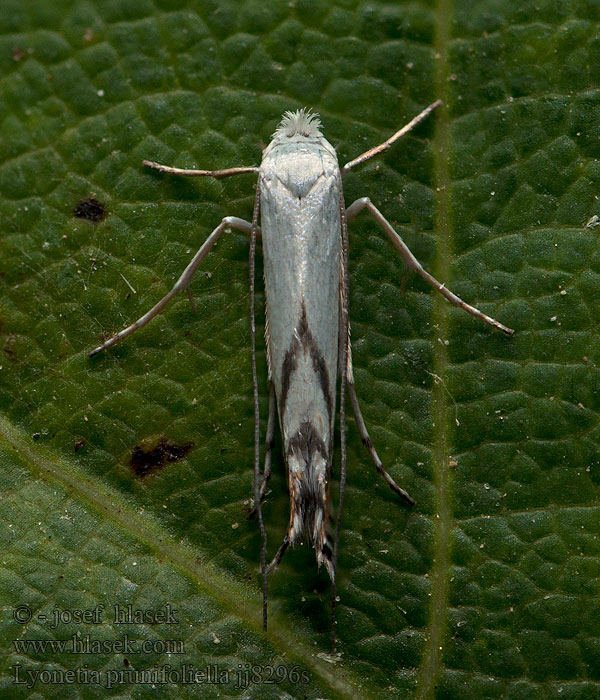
[149, 458]
[79, 444]
[36, 436]
[90, 209]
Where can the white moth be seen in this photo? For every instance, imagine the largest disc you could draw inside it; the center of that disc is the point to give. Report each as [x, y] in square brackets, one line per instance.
[305, 248]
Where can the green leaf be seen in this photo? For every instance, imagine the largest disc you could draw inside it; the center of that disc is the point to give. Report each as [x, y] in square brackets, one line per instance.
[125, 477]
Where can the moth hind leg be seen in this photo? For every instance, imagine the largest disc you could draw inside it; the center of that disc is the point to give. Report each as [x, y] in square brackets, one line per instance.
[279, 555]
[364, 434]
[368, 443]
[324, 556]
[266, 476]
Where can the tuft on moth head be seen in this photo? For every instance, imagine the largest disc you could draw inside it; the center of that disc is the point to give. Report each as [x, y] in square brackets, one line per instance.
[299, 123]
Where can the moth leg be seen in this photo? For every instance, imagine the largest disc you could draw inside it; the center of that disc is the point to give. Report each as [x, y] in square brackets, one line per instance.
[386, 144]
[181, 284]
[269, 448]
[368, 443]
[412, 263]
[277, 558]
[217, 174]
[362, 429]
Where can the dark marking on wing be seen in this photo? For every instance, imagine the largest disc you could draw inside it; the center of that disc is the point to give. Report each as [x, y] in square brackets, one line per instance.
[307, 442]
[304, 340]
[289, 365]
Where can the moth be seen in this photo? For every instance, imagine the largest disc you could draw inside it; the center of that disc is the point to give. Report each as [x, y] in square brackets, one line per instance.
[304, 231]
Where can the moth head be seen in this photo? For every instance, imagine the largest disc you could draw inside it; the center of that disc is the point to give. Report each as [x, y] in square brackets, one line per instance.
[302, 122]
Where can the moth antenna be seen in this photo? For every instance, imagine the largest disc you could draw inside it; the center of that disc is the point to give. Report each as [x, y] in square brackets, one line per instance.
[345, 331]
[257, 479]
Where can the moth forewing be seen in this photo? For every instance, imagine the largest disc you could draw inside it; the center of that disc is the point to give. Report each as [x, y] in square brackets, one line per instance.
[305, 248]
[300, 185]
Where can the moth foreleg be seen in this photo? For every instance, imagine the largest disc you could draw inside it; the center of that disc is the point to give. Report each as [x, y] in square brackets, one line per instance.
[181, 284]
[217, 174]
[413, 264]
[372, 152]
[268, 450]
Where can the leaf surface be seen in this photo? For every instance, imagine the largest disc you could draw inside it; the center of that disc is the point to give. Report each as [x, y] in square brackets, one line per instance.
[125, 477]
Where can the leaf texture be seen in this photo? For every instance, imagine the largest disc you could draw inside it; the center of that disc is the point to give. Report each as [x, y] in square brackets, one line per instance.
[126, 477]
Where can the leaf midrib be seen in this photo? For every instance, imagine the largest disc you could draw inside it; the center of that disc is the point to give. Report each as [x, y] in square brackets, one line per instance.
[237, 598]
[433, 650]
